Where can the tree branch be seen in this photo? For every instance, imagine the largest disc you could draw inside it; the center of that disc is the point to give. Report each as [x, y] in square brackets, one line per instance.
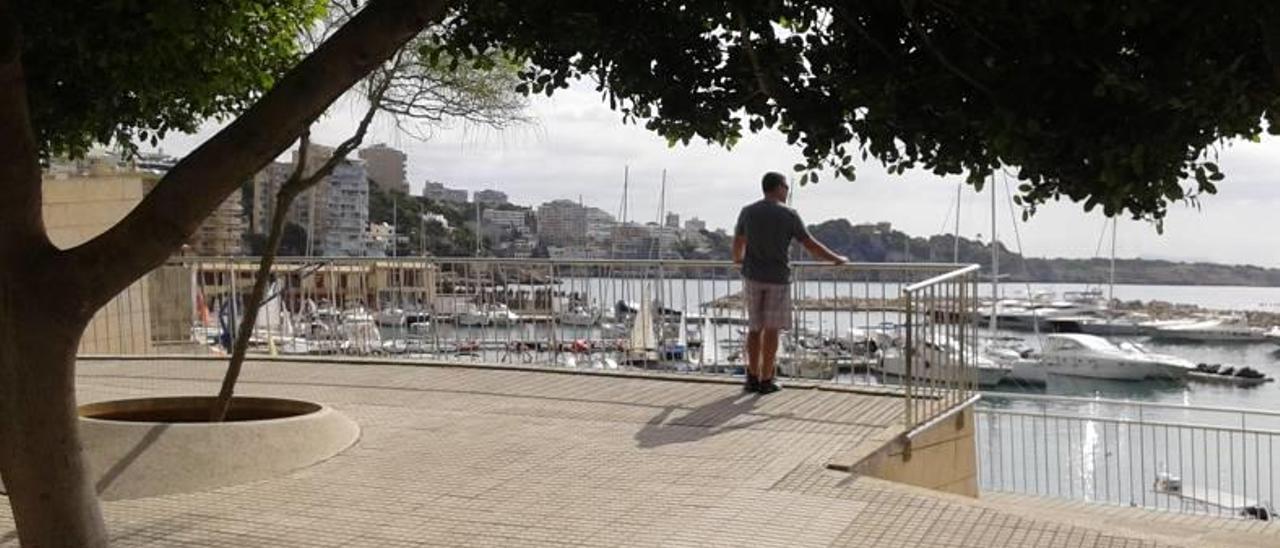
[908, 8]
[21, 218]
[295, 185]
[202, 180]
[762, 77]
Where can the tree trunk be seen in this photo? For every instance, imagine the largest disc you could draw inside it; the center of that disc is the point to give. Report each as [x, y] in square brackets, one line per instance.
[254, 303]
[47, 296]
[52, 496]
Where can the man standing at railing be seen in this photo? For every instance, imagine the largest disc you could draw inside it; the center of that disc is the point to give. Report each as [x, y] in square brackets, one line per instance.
[761, 239]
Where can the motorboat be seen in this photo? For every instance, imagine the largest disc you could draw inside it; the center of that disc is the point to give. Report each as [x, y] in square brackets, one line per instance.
[359, 332]
[1039, 311]
[416, 316]
[500, 315]
[390, 317]
[1091, 356]
[1120, 326]
[1273, 335]
[939, 353]
[1229, 329]
[420, 329]
[578, 315]
[474, 316]
[357, 314]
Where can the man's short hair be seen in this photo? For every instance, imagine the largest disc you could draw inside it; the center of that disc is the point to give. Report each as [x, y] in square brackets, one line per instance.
[771, 181]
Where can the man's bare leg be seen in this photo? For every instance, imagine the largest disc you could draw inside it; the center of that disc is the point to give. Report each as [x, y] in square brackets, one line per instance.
[753, 354]
[769, 344]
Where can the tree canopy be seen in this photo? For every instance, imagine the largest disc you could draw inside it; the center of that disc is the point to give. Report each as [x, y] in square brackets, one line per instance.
[126, 71]
[1116, 104]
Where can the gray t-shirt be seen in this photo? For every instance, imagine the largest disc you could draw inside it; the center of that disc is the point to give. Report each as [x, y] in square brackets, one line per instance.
[769, 228]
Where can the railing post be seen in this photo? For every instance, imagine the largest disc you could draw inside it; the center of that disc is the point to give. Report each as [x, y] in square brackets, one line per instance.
[908, 354]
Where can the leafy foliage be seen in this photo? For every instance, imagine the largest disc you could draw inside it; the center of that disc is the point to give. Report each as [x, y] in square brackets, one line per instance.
[1114, 104]
[130, 70]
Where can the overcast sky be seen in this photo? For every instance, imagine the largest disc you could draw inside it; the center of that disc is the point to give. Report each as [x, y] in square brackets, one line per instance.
[578, 147]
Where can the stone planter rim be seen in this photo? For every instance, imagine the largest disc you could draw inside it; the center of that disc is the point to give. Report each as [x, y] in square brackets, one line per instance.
[311, 409]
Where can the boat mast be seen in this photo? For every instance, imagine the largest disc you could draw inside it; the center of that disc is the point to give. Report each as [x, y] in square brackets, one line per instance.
[477, 226]
[1111, 285]
[995, 261]
[955, 238]
[622, 214]
[662, 210]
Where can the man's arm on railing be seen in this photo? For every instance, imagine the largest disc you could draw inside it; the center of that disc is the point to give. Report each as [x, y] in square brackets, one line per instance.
[739, 248]
[822, 252]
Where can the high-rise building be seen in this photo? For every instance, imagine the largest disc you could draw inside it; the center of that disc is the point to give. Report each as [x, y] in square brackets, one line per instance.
[437, 192]
[266, 184]
[647, 241]
[673, 220]
[695, 225]
[599, 224]
[334, 212]
[222, 232]
[346, 210]
[561, 222]
[507, 219]
[564, 222]
[386, 167]
[491, 197]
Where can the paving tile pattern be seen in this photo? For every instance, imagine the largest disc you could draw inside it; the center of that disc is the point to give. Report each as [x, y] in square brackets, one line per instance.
[470, 457]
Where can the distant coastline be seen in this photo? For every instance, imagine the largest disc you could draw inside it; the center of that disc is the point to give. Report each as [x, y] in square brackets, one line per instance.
[880, 243]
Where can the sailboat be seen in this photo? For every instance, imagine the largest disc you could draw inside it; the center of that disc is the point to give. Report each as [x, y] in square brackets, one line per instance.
[642, 343]
[710, 355]
[678, 350]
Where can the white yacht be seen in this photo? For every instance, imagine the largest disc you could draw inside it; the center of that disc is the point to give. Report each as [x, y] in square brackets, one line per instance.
[359, 331]
[474, 316]
[500, 315]
[1273, 335]
[1090, 356]
[578, 315]
[1117, 326]
[390, 317]
[1042, 309]
[416, 315]
[935, 353]
[1230, 329]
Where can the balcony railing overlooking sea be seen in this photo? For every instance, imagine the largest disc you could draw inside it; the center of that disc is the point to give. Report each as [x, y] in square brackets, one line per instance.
[682, 317]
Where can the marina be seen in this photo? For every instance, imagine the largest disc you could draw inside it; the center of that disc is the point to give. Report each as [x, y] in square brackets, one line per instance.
[583, 314]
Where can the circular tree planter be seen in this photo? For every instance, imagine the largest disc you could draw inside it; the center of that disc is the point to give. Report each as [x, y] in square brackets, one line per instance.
[157, 446]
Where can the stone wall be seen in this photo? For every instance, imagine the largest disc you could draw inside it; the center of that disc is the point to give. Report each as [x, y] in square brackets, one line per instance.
[943, 457]
[79, 207]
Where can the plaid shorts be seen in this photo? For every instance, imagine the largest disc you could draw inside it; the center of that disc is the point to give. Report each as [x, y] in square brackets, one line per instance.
[768, 305]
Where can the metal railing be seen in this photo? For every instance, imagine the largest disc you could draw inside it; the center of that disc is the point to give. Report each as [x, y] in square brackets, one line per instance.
[1194, 459]
[939, 356]
[851, 324]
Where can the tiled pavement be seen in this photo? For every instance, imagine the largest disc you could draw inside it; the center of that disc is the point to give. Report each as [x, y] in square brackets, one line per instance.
[473, 457]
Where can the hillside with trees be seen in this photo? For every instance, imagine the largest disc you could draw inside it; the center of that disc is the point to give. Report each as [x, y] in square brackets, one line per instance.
[880, 243]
